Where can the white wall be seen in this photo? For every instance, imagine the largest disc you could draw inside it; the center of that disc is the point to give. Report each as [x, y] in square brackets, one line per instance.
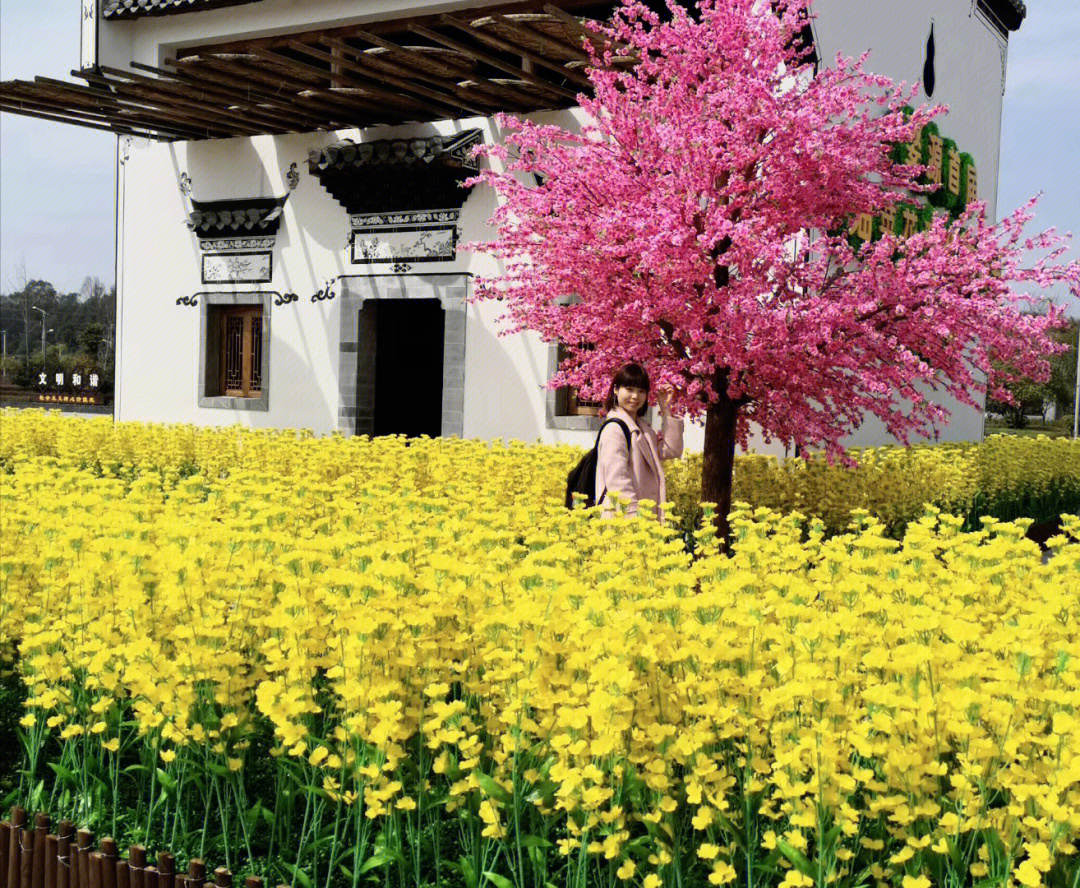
[970, 69]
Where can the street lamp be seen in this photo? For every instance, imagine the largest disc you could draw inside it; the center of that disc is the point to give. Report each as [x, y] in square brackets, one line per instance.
[3, 363]
[35, 308]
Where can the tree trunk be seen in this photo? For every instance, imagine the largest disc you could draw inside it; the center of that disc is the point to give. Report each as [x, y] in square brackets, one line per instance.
[718, 461]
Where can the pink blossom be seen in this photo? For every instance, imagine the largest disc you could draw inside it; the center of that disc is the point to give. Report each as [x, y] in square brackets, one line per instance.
[701, 219]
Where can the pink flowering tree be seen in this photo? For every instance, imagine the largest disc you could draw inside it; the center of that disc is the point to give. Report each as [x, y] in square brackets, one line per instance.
[701, 220]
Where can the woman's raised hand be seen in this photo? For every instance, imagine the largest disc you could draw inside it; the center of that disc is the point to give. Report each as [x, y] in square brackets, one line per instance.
[663, 398]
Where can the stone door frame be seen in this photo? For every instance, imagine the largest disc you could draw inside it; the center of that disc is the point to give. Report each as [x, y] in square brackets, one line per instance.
[356, 351]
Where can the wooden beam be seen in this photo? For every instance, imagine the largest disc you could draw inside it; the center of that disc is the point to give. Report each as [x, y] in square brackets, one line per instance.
[572, 22]
[507, 46]
[417, 72]
[151, 117]
[357, 57]
[26, 108]
[301, 67]
[133, 106]
[494, 62]
[349, 69]
[530, 33]
[213, 78]
[222, 103]
[138, 84]
[312, 103]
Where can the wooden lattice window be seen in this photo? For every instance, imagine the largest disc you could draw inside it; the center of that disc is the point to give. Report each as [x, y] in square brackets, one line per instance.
[568, 398]
[239, 352]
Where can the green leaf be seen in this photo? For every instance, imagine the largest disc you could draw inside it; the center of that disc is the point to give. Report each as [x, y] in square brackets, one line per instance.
[492, 789]
[497, 880]
[64, 774]
[166, 780]
[299, 875]
[376, 860]
[797, 859]
[535, 842]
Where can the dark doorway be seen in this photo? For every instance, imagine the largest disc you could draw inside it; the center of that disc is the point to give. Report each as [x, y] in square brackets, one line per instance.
[408, 365]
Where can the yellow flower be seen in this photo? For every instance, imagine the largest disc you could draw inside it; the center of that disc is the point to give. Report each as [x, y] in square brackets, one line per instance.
[168, 755]
[235, 764]
[111, 745]
[626, 871]
[707, 851]
[722, 873]
[916, 882]
[1028, 874]
[28, 720]
[652, 880]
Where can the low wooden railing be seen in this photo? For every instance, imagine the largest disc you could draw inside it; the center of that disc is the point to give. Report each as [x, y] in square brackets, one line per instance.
[32, 857]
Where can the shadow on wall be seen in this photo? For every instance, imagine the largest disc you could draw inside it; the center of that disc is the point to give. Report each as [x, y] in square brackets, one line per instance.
[498, 402]
[227, 169]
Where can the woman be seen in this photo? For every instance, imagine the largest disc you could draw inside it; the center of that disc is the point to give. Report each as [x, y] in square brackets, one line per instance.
[637, 473]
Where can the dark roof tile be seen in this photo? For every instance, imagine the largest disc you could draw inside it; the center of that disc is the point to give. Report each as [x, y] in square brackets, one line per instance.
[121, 9]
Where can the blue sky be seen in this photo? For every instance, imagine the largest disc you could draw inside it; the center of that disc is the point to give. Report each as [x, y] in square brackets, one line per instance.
[56, 181]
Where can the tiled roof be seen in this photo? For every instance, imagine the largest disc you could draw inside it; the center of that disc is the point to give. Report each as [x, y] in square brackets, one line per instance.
[1007, 14]
[453, 150]
[258, 216]
[120, 9]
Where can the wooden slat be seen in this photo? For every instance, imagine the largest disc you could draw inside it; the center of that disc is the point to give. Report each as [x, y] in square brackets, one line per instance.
[254, 103]
[464, 99]
[16, 108]
[349, 69]
[506, 46]
[494, 62]
[148, 117]
[447, 106]
[138, 112]
[220, 78]
[172, 113]
[550, 43]
[178, 94]
[337, 117]
[409, 63]
[304, 68]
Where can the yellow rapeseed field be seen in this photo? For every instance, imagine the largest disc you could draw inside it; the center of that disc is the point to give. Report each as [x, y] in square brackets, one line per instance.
[422, 634]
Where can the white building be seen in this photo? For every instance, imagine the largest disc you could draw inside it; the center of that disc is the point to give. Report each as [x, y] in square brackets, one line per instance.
[288, 209]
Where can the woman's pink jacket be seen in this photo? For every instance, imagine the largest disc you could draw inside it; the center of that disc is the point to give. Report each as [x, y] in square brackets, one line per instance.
[642, 475]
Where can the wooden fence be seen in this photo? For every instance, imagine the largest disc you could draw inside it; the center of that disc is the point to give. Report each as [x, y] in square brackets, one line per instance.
[32, 857]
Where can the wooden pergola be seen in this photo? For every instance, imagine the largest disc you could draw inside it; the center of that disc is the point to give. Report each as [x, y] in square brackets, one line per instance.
[518, 57]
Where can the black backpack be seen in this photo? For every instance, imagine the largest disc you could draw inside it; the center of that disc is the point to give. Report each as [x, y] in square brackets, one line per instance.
[582, 478]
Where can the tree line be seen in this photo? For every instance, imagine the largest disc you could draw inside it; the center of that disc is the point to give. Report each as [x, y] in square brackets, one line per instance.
[44, 329]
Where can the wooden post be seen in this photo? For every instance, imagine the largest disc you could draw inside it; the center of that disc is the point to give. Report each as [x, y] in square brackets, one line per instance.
[166, 870]
[26, 857]
[136, 865]
[41, 830]
[150, 877]
[110, 853]
[253, 882]
[18, 820]
[52, 851]
[222, 878]
[85, 840]
[63, 854]
[5, 838]
[196, 873]
[94, 874]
